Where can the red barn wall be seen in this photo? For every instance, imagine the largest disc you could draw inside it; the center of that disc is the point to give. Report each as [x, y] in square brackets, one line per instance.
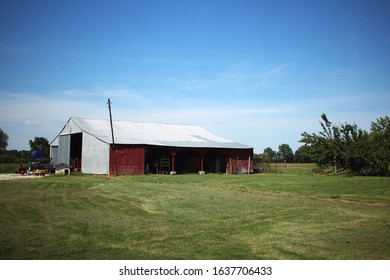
[240, 166]
[241, 161]
[129, 160]
[240, 153]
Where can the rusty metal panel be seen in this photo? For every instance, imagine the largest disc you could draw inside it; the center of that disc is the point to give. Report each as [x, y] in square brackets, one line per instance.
[129, 160]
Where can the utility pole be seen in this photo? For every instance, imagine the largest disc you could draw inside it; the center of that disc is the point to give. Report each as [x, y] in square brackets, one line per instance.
[112, 135]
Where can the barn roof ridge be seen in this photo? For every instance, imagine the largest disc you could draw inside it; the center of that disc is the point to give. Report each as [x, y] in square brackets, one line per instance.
[132, 121]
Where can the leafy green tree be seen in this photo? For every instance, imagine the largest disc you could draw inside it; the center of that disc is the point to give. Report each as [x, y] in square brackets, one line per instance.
[324, 148]
[3, 141]
[261, 164]
[269, 154]
[380, 145]
[301, 155]
[348, 147]
[286, 153]
[355, 147]
[40, 144]
[257, 158]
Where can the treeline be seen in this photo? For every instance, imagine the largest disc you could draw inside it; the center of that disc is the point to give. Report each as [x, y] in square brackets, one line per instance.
[284, 154]
[15, 156]
[344, 147]
[347, 147]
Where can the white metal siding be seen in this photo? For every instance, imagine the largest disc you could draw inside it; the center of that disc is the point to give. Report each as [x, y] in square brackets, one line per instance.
[54, 153]
[95, 155]
[70, 128]
[64, 149]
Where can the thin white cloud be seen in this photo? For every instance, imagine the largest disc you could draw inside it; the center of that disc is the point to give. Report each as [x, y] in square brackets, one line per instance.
[24, 115]
[166, 61]
[240, 80]
[250, 121]
[273, 74]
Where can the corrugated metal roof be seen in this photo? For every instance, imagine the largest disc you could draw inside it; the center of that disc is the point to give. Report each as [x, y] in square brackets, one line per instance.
[159, 134]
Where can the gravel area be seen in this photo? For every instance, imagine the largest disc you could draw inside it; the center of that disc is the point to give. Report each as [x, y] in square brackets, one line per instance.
[17, 176]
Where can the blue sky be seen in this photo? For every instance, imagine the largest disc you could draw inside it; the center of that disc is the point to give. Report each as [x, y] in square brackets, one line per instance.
[256, 72]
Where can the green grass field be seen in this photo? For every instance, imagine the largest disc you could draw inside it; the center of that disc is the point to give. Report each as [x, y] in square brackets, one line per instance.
[292, 215]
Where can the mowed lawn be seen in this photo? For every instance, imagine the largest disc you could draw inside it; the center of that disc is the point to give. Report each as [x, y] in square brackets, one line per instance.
[264, 216]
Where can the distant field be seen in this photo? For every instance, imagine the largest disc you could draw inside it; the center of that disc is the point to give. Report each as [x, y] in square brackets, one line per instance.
[292, 167]
[264, 216]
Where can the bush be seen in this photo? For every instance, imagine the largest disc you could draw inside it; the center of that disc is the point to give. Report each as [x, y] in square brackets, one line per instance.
[8, 167]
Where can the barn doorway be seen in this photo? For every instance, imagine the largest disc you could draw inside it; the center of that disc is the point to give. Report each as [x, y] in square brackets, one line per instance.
[215, 162]
[157, 160]
[76, 141]
[187, 161]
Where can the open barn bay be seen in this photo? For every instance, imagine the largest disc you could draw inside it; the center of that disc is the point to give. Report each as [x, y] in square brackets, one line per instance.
[264, 216]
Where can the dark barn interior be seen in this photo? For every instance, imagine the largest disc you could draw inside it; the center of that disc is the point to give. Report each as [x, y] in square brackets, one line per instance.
[160, 160]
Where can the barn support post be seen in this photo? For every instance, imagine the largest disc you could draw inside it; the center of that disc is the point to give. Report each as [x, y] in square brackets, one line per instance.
[112, 135]
[229, 169]
[173, 154]
[202, 153]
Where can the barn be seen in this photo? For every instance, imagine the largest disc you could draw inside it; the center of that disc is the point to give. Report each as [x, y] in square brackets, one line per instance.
[142, 148]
